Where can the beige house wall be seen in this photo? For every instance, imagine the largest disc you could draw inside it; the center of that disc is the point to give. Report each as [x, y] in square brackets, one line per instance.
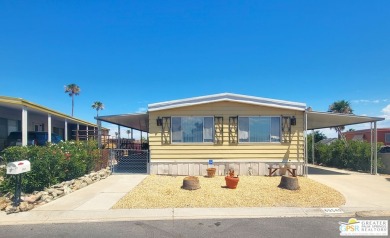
[248, 158]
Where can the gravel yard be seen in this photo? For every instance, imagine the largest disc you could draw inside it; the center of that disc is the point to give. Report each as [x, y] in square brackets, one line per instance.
[252, 191]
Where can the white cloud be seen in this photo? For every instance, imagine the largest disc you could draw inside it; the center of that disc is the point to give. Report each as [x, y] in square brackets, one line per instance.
[366, 101]
[357, 127]
[386, 114]
[329, 133]
[114, 128]
[141, 110]
[384, 124]
[386, 111]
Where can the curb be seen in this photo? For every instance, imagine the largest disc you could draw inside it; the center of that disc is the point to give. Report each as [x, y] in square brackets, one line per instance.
[373, 213]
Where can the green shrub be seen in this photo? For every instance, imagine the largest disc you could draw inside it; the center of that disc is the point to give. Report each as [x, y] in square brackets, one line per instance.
[354, 155]
[50, 164]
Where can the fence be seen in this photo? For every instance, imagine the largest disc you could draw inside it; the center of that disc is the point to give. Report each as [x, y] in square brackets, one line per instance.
[129, 161]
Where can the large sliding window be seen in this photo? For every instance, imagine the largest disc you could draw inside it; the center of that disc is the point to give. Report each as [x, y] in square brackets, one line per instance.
[192, 129]
[259, 129]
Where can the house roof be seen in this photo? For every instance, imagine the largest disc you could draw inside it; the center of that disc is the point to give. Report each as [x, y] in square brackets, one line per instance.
[230, 97]
[315, 120]
[366, 131]
[327, 141]
[18, 103]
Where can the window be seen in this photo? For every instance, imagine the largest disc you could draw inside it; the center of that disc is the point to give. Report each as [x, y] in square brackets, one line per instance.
[192, 129]
[259, 129]
[13, 125]
[387, 137]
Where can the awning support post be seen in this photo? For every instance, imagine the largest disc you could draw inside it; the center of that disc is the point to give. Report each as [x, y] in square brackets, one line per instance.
[24, 126]
[312, 146]
[48, 127]
[118, 138]
[66, 130]
[99, 132]
[375, 150]
[372, 149]
[306, 169]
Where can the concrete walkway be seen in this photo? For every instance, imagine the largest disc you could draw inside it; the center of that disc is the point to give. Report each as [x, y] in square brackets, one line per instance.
[363, 193]
[100, 196]
[360, 190]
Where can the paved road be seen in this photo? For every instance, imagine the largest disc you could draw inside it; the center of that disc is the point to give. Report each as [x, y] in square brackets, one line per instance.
[224, 228]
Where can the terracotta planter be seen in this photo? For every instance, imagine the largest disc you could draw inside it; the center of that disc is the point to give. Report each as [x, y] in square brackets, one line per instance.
[231, 182]
[211, 172]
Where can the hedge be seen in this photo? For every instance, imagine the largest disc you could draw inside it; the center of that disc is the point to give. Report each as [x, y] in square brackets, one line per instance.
[353, 155]
[50, 164]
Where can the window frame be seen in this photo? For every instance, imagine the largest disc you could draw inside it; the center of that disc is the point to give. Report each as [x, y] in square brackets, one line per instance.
[270, 130]
[203, 130]
[387, 135]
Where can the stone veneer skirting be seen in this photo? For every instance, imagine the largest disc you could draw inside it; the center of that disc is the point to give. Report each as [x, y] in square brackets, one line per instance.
[199, 168]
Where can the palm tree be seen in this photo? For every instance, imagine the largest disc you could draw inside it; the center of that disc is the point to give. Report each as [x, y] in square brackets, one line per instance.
[341, 106]
[128, 134]
[344, 107]
[98, 106]
[72, 89]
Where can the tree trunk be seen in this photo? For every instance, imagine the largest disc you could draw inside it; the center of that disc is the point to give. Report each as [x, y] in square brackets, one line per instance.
[191, 183]
[290, 183]
[72, 103]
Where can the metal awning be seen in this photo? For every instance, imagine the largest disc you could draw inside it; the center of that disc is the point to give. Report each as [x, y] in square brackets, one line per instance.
[315, 120]
[321, 120]
[138, 121]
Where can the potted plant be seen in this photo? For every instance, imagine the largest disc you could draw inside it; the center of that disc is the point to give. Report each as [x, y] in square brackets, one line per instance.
[211, 172]
[231, 180]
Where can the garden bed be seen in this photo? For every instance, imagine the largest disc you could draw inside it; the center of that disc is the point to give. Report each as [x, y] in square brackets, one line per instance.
[252, 191]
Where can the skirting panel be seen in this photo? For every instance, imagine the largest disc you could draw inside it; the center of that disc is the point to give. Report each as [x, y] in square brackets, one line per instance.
[222, 168]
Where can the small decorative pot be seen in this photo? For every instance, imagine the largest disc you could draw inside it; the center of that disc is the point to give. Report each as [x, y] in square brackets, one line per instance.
[231, 182]
[211, 172]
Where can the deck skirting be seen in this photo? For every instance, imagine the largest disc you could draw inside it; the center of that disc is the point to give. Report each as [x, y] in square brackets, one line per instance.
[199, 168]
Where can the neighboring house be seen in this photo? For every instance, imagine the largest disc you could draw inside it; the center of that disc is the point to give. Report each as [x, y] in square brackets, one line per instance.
[327, 141]
[228, 130]
[383, 135]
[17, 114]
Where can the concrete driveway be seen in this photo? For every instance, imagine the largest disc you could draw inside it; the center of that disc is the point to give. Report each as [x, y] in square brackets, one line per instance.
[361, 190]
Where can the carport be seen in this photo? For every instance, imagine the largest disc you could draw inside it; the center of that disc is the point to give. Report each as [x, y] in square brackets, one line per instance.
[136, 121]
[124, 159]
[321, 120]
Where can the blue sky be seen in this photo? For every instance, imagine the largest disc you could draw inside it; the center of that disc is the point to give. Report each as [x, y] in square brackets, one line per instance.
[128, 54]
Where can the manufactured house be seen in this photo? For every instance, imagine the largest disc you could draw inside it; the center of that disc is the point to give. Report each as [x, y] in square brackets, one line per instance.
[231, 130]
[225, 131]
[17, 114]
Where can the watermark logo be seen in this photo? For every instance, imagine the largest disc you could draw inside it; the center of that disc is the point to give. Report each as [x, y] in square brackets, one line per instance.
[356, 227]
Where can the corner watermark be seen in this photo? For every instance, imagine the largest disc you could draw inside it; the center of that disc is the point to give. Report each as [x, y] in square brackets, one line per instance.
[356, 227]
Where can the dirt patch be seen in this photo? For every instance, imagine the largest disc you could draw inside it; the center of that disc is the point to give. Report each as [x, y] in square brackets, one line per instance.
[252, 191]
